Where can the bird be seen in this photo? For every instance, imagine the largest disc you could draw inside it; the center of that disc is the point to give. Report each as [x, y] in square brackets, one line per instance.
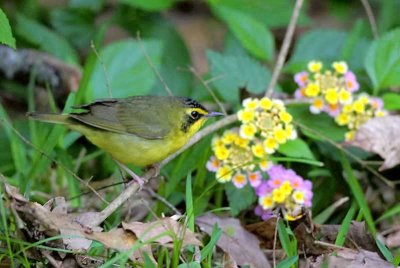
[137, 130]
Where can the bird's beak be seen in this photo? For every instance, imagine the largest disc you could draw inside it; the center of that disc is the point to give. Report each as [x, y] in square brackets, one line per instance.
[213, 114]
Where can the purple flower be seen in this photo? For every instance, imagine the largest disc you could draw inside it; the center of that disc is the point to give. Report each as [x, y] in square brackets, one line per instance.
[263, 189]
[377, 103]
[264, 214]
[301, 78]
[351, 81]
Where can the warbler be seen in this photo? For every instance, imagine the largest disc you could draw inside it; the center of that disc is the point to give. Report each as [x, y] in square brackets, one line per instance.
[138, 130]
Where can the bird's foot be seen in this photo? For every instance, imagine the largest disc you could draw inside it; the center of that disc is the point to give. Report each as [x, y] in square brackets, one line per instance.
[155, 168]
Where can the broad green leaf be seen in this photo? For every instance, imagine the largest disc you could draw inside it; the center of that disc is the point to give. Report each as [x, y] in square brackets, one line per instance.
[391, 101]
[271, 13]
[126, 69]
[383, 61]
[253, 35]
[288, 262]
[230, 72]
[46, 39]
[326, 45]
[296, 148]
[239, 199]
[321, 126]
[94, 5]
[150, 5]
[6, 36]
[77, 25]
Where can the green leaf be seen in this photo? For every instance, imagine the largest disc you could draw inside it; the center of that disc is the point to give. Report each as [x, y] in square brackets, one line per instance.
[239, 199]
[253, 35]
[214, 237]
[322, 126]
[94, 5]
[6, 36]
[296, 148]
[272, 13]
[150, 5]
[286, 263]
[385, 251]
[395, 210]
[327, 45]
[344, 227]
[189, 202]
[189, 265]
[358, 193]
[234, 71]
[391, 101]
[127, 69]
[383, 60]
[46, 39]
[76, 25]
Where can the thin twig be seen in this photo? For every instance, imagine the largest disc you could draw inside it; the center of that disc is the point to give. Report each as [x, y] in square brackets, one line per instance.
[153, 67]
[163, 200]
[275, 241]
[25, 140]
[371, 18]
[285, 48]
[205, 84]
[108, 84]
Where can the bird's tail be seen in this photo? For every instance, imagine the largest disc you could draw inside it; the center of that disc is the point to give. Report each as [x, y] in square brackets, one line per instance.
[49, 118]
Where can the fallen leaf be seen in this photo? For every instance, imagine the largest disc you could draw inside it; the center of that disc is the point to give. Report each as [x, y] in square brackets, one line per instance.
[381, 136]
[241, 245]
[353, 259]
[163, 231]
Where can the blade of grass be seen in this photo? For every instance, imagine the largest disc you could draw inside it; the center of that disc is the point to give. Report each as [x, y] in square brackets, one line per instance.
[322, 217]
[298, 160]
[395, 210]
[288, 262]
[215, 235]
[5, 229]
[284, 238]
[385, 251]
[344, 228]
[189, 202]
[358, 193]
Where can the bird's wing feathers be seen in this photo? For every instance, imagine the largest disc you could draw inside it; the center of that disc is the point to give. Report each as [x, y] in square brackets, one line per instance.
[139, 117]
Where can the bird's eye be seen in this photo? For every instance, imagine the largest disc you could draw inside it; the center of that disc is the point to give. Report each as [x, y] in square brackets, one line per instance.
[195, 115]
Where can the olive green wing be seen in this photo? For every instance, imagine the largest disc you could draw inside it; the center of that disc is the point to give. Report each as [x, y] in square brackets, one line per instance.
[139, 116]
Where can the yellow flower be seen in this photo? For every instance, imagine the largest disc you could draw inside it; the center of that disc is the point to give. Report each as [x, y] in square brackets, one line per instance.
[266, 202]
[286, 188]
[298, 197]
[342, 119]
[291, 133]
[285, 117]
[266, 103]
[265, 165]
[347, 108]
[345, 97]
[331, 96]
[258, 150]
[270, 145]
[314, 66]
[317, 106]
[246, 115]
[349, 135]
[221, 152]
[359, 106]
[340, 67]
[280, 135]
[247, 131]
[241, 142]
[217, 142]
[380, 113]
[312, 90]
[278, 196]
[224, 174]
[250, 103]
[363, 99]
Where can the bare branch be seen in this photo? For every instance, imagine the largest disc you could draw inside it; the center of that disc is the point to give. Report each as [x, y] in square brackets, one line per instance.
[153, 67]
[371, 18]
[108, 85]
[285, 48]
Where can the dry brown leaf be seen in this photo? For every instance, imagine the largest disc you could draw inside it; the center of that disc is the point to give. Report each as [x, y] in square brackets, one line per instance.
[352, 259]
[163, 231]
[240, 244]
[381, 136]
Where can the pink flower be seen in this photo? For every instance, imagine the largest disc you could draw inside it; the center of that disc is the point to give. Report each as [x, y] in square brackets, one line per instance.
[301, 78]
[351, 81]
[377, 103]
[254, 178]
[264, 214]
[263, 189]
[213, 164]
[332, 110]
[300, 93]
[239, 180]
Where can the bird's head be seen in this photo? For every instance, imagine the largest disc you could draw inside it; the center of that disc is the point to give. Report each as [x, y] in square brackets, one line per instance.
[195, 115]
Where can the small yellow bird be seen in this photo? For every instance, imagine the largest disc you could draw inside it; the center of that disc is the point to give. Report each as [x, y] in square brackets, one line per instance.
[139, 130]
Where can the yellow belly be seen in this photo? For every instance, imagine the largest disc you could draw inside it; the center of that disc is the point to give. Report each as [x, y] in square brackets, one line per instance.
[131, 149]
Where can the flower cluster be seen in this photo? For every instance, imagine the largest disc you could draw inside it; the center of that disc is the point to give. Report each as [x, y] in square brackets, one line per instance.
[362, 109]
[266, 120]
[285, 190]
[241, 155]
[332, 91]
[237, 159]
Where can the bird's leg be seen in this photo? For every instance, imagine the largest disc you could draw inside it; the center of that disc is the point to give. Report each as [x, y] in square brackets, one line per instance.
[156, 169]
[134, 176]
